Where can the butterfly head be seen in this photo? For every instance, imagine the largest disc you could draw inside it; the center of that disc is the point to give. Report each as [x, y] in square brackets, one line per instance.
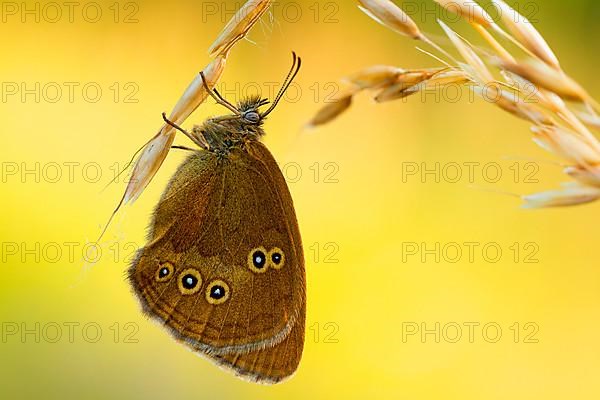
[247, 112]
[245, 122]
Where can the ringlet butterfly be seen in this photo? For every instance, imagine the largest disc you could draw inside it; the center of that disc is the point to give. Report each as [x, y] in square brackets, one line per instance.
[223, 269]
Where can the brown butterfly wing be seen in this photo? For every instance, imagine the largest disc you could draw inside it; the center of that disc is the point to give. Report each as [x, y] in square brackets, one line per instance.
[214, 213]
[272, 364]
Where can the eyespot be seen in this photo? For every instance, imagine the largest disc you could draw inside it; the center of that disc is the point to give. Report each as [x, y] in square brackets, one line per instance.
[276, 258]
[257, 260]
[217, 292]
[164, 272]
[190, 281]
[252, 116]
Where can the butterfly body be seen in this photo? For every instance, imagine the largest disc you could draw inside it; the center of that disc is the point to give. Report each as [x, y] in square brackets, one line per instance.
[223, 269]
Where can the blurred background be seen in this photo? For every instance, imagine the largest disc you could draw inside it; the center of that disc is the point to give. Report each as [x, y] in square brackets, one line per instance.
[424, 281]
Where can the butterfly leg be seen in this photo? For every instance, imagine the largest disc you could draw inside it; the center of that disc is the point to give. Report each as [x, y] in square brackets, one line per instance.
[199, 140]
[183, 148]
[217, 96]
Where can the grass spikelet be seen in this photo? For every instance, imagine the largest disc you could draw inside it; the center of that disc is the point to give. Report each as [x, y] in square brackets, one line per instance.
[566, 145]
[332, 110]
[239, 25]
[391, 16]
[526, 34]
[589, 176]
[571, 194]
[404, 82]
[547, 78]
[469, 10]
[469, 55]
[375, 76]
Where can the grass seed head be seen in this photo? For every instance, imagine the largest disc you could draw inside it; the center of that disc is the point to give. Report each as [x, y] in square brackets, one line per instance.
[391, 16]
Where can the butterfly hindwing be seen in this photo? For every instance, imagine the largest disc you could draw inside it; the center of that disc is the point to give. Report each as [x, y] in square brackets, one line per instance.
[223, 269]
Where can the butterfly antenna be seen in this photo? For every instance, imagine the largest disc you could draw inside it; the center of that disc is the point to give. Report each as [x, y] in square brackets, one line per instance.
[296, 64]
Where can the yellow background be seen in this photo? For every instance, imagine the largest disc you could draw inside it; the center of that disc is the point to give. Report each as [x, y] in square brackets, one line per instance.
[370, 293]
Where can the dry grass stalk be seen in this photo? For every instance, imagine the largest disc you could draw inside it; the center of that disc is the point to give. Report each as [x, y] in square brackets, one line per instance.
[156, 150]
[536, 90]
[195, 94]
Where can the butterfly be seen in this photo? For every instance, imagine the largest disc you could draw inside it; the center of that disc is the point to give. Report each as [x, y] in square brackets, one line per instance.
[223, 267]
